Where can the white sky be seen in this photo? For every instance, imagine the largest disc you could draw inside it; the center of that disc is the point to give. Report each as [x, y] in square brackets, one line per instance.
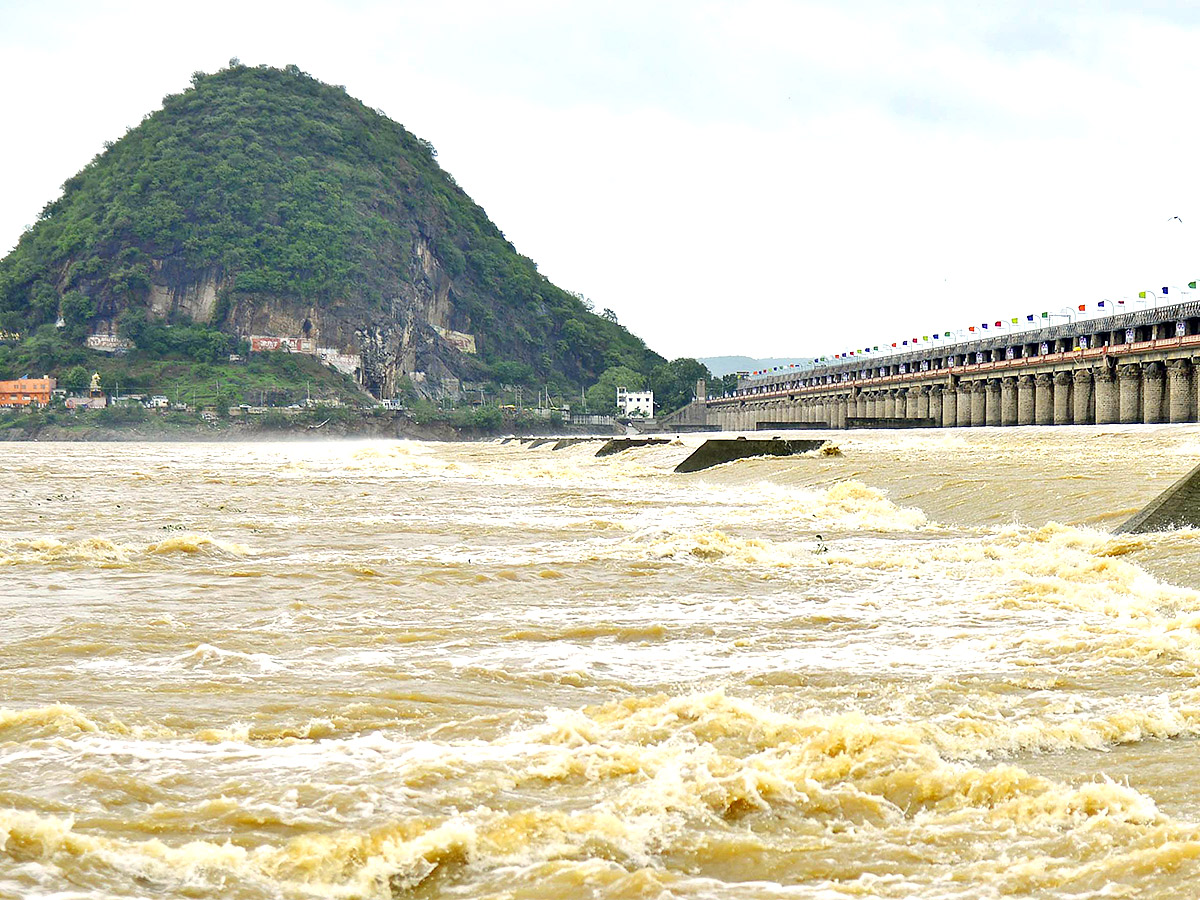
[758, 177]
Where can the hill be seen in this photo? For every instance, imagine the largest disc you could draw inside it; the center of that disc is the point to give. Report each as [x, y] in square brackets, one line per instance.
[263, 202]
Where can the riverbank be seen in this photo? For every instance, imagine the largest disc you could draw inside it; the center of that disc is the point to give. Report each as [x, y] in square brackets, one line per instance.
[119, 424]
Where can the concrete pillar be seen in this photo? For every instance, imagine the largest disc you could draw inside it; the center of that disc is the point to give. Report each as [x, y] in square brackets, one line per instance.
[1062, 398]
[935, 404]
[1081, 393]
[992, 410]
[949, 406]
[887, 405]
[923, 402]
[1179, 390]
[873, 405]
[1008, 400]
[1108, 401]
[910, 403]
[964, 404]
[979, 404]
[1043, 400]
[1131, 394]
[1025, 400]
[860, 405]
[1153, 382]
[843, 405]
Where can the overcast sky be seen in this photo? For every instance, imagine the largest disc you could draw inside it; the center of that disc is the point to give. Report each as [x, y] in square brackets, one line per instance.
[762, 178]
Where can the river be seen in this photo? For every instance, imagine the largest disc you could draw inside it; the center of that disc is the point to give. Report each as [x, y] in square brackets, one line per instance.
[923, 667]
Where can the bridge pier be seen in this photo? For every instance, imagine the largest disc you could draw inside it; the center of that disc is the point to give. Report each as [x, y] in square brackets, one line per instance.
[1082, 394]
[964, 404]
[923, 402]
[992, 390]
[1062, 398]
[1108, 399]
[1043, 400]
[910, 403]
[1008, 400]
[935, 404]
[1025, 400]
[1152, 392]
[1179, 387]
[978, 404]
[950, 406]
[1130, 378]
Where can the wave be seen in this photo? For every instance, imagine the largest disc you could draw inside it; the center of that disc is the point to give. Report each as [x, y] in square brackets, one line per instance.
[197, 544]
[64, 720]
[686, 783]
[105, 553]
[96, 551]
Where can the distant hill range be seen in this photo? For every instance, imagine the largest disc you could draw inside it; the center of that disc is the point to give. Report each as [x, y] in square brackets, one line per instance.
[727, 365]
[261, 201]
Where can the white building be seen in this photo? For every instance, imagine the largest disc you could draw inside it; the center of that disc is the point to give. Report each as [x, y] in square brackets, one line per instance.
[635, 404]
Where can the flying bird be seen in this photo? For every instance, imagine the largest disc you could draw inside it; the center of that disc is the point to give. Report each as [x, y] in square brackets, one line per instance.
[1175, 219]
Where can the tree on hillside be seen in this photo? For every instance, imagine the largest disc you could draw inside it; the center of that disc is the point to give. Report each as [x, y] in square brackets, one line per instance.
[602, 396]
[674, 383]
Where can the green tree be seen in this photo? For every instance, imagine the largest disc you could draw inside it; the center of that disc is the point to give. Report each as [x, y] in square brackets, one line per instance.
[77, 308]
[674, 383]
[75, 378]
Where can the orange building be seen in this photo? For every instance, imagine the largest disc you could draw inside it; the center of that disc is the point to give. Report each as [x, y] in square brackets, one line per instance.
[25, 391]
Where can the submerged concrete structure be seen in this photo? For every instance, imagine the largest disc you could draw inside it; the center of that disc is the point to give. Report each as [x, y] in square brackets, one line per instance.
[1136, 367]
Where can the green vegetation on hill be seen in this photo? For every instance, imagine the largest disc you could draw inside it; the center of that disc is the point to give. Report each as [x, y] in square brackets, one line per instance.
[278, 186]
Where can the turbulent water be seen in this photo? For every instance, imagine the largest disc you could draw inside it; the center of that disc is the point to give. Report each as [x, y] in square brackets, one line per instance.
[397, 669]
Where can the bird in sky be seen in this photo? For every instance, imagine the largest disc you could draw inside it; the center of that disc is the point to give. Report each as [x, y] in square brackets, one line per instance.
[1175, 219]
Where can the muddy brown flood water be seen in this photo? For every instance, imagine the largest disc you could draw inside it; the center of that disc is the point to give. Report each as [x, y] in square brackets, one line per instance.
[400, 669]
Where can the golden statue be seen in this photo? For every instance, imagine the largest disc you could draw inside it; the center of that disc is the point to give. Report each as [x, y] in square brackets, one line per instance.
[95, 390]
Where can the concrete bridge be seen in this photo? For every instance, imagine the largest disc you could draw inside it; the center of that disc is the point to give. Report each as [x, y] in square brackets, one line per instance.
[1135, 367]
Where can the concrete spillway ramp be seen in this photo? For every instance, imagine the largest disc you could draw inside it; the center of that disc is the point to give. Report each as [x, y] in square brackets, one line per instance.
[715, 452]
[1176, 507]
[617, 445]
[571, 442]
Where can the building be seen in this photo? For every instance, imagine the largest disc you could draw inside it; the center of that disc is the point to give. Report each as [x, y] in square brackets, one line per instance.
[635, 404]
[26, 391]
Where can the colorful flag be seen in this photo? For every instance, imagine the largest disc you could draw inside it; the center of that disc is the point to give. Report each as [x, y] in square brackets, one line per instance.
[1014, 320]
[936, 337]
[970, 328]
[999, 324]
[924, 337]
[906, 343]
[1192, 285]
[985, 324]
[1101, 304]
[1083, 307]
[1045, 315]
[1029, 318]
[893, 343]
[1164, 288]
[1142, 294]
[876, 348]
